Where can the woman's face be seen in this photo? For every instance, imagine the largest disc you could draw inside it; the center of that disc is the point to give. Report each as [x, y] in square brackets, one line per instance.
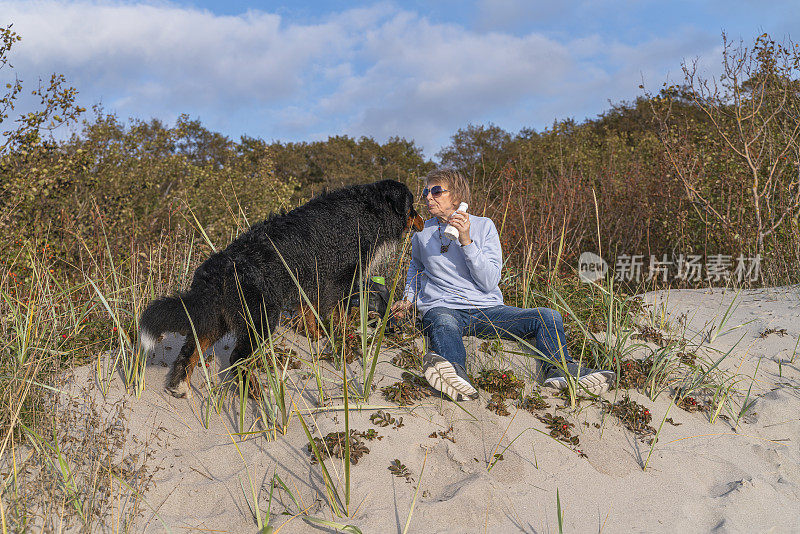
[442, 206]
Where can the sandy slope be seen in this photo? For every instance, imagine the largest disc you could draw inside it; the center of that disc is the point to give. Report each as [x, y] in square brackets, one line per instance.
[702, 477]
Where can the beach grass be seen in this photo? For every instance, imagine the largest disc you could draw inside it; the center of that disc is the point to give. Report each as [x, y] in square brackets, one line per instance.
[605, 324]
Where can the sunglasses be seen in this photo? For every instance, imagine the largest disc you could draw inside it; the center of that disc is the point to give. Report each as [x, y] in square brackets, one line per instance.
[436, 191]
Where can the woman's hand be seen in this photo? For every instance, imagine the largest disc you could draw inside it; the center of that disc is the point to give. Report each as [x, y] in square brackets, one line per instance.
[460, 221]
[400, 307]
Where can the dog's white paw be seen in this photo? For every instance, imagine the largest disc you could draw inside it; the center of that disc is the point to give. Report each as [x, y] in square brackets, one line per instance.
[181, 390]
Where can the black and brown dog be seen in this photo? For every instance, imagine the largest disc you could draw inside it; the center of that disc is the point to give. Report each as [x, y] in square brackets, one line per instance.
[322, 242]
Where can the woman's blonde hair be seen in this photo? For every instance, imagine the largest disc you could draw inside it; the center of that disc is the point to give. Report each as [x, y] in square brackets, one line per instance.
[453, 181]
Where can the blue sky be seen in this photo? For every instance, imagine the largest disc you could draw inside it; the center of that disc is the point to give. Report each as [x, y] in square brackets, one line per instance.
[420, 70]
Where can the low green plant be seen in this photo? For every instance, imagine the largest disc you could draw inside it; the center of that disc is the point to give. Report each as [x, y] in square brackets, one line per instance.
[321, 324]
[334, 499]
[495, 455]
[347, 458]
[339, 527]
[665, 362]
[655, 438]
[747, 404]
[702, 377]
[416, 493]
[51, 452]
[715, 330]
[559, 513]
[243, 384]
[262, 521]
[377, 339]
[276, 375]
[215, 392]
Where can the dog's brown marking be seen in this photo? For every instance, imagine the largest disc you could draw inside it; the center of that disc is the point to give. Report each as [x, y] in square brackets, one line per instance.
[338, 314]
[255, 390]
[205, 343]
[416, 223]
[309, 321]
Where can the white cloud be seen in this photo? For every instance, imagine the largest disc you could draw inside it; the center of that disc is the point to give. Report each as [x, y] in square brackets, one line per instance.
[191, 55]
[431, 78]
[378, 71]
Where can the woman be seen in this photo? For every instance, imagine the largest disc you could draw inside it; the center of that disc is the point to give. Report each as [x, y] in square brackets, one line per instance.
[454, 284]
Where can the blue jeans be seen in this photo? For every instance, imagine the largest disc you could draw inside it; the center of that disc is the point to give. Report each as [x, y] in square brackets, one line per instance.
[541, 327]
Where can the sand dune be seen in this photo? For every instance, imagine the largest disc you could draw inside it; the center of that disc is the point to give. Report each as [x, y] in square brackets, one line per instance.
[701, 477]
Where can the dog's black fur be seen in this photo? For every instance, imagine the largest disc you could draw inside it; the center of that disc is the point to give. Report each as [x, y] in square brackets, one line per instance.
[322, 242]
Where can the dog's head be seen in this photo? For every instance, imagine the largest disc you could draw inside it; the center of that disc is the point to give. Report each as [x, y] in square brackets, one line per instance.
[402, 202]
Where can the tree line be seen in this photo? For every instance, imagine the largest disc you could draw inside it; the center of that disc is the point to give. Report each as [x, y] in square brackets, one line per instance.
[703, 167]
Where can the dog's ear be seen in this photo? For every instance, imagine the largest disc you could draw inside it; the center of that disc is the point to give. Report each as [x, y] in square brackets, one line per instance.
[396, 195]
[409, 206]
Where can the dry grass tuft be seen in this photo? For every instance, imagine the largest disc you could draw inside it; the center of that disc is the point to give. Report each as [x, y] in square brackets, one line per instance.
[82, 471]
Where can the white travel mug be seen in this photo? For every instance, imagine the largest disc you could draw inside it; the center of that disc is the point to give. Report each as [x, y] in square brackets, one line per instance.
[451, 230]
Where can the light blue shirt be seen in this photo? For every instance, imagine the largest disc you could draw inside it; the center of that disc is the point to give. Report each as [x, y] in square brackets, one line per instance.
[461, 278]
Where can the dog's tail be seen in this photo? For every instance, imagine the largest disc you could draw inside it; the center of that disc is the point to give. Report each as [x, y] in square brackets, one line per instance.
[169, 314]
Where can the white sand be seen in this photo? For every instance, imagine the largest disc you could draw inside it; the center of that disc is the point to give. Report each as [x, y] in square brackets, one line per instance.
[702, 477]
